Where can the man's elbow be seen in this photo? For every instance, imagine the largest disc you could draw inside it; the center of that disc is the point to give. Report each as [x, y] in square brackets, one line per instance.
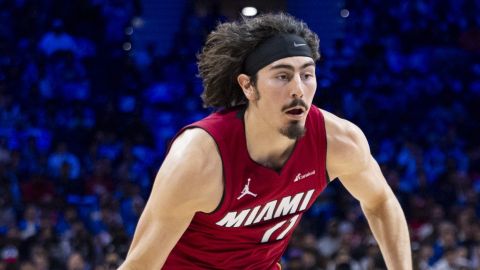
[380, 201]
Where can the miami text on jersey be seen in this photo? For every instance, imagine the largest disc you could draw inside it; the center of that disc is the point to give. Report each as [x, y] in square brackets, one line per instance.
[274, 209]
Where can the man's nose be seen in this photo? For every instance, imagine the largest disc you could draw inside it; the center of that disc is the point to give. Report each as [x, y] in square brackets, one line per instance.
[297, 87]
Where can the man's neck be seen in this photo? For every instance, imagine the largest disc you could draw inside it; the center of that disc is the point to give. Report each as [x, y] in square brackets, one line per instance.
[265, 144]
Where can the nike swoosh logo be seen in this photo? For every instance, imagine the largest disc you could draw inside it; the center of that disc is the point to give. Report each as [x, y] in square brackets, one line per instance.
[298, 44]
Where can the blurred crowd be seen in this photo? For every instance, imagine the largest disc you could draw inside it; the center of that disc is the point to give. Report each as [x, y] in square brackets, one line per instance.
[85, 118]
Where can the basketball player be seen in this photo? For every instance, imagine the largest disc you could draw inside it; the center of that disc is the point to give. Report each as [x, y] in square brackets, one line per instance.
[234, 185]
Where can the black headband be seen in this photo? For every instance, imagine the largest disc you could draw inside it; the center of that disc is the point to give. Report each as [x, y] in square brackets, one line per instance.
[274, 48]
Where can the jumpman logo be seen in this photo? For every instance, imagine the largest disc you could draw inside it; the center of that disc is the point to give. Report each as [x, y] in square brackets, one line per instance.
[246, 191]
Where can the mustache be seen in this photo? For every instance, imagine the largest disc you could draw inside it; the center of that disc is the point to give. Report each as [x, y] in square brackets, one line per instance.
[294, 103]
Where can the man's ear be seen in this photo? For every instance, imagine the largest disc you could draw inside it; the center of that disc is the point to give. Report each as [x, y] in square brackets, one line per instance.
[247, 87]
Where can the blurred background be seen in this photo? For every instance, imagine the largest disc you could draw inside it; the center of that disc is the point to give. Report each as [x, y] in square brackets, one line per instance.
[91, 92]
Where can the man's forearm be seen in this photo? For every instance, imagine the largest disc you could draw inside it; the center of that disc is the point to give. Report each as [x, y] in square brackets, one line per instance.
[390, 229]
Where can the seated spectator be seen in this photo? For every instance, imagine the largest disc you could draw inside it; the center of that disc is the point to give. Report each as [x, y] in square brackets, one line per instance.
[329, 243]
[100, 182]
[30, 223]
[57, 39]
[62, 157]
[37, 190]
[76, 262]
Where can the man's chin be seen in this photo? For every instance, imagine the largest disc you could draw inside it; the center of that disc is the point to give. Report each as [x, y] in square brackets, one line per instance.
[295, 130]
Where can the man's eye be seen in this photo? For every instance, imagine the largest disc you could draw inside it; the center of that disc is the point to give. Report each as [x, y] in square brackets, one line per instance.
[307, 76]
[282, 77]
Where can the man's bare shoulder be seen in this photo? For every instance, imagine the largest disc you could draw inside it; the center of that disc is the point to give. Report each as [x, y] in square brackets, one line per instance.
[347, 147]
[193, 142]
[192, 171]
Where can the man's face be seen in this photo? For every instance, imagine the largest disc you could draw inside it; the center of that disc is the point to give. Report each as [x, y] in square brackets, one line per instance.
[285, 90]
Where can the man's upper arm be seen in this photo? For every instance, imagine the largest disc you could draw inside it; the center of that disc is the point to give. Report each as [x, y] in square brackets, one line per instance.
[349, 159]
[189, 181]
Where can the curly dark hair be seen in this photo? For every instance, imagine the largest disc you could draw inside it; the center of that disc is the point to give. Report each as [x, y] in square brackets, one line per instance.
[222, 58]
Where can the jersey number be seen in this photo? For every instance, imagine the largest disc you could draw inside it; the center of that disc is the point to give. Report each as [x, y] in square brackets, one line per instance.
[269, 232]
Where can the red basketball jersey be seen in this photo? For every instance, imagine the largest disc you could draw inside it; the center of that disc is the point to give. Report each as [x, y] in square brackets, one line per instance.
[260, 207]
